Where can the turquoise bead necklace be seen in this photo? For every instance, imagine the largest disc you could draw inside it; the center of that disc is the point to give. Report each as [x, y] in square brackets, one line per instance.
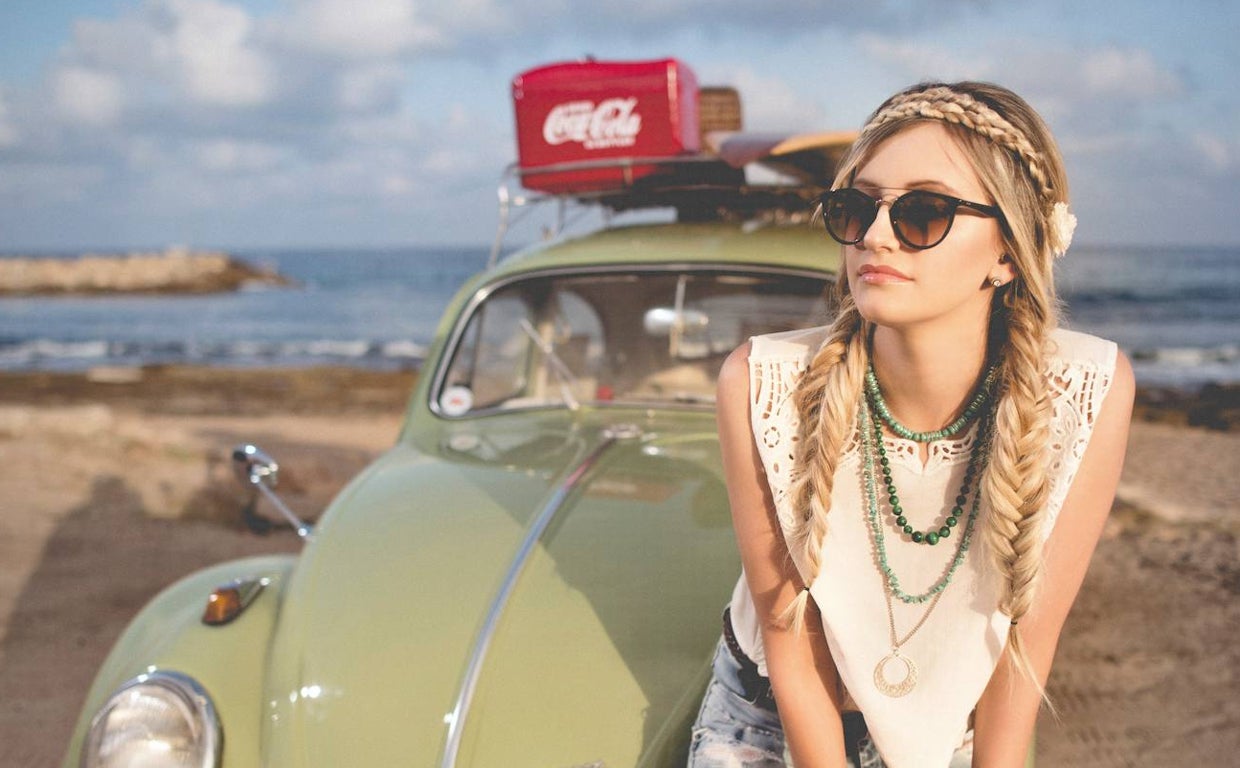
[980, 398]
[871, 432]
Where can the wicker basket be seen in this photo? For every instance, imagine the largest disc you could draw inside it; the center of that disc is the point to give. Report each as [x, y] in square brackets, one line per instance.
[719, 109]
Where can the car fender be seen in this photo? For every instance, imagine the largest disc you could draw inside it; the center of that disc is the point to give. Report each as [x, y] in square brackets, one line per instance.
[228, 660]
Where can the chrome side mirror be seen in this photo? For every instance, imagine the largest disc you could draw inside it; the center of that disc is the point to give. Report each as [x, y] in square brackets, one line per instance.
[663, 321]
[255, 467]
[259, 472]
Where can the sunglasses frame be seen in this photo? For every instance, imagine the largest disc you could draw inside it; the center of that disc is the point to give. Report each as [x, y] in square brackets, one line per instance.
[896, 220]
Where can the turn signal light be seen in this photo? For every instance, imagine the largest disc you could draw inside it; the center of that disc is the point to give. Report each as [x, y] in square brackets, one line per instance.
[226, 602]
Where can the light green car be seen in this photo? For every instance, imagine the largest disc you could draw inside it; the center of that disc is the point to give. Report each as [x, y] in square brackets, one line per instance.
[534, 574]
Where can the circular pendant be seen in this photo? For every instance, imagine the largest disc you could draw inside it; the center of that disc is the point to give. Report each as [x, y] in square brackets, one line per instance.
[901, 686]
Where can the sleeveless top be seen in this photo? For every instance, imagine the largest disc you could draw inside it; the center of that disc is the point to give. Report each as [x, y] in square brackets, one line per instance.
[959, 645]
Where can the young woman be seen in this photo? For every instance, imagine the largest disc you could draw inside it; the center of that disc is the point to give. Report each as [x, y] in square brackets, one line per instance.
[917, 488]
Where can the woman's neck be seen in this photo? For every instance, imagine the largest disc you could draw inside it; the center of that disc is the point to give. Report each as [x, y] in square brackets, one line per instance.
[928, 378]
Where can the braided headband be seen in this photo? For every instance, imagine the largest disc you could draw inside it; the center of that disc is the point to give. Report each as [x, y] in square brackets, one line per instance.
[943, 103]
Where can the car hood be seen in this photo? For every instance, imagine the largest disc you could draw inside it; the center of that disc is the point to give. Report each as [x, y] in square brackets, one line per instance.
[607, 618]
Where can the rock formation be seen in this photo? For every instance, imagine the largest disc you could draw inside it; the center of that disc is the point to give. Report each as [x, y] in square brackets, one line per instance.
[175, 270]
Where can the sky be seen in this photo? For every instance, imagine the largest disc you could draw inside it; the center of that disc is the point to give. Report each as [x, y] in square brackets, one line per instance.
[257, 124]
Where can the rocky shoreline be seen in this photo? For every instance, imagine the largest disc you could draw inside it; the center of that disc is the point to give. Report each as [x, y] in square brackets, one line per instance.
[171, 271]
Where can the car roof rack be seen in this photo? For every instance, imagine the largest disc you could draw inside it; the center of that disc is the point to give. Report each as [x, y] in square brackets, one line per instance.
[707, 186]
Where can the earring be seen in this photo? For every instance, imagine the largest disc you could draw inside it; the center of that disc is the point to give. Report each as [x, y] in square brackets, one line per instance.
[996, 282]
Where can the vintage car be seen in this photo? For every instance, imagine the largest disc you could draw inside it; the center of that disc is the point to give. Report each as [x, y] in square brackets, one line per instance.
[534, 574]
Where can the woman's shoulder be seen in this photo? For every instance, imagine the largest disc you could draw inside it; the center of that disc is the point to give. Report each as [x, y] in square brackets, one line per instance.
[1073, 348]
[799, 344]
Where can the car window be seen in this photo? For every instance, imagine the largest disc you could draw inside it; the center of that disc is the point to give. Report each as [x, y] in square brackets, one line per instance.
[616, 337]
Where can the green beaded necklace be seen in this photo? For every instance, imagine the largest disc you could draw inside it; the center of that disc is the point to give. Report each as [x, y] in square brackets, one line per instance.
[875, 394]
[930, 537]
[871, 433]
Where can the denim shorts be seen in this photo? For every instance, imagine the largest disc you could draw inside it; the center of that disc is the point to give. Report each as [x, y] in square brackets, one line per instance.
[731, 732]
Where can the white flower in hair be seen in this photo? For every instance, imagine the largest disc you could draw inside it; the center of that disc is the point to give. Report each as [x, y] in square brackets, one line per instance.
[1062, 225]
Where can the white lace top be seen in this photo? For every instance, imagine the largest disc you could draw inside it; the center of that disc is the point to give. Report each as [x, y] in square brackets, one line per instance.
[958, 647]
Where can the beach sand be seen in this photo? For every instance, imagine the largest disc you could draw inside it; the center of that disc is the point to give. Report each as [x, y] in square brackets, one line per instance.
[114, 486]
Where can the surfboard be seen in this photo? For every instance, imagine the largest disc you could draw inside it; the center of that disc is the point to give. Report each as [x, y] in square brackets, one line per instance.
[809, 157]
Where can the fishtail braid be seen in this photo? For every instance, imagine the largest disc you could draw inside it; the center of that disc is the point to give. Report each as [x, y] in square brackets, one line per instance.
[826, 399]
[1016, 483]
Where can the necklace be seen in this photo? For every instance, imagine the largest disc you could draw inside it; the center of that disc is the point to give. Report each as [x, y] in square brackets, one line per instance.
[869, 437]
[905, 684]
[932, 536]
[980, 397]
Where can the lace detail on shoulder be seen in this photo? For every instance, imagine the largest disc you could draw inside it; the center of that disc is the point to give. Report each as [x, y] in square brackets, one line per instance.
[772, 380]
[1077, 388]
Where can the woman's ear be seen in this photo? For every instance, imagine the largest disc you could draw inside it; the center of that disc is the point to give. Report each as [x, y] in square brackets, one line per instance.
[1003, 271]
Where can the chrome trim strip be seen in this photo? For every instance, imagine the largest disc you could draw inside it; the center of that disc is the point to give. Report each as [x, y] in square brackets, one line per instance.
[456, 718]
[440, 374]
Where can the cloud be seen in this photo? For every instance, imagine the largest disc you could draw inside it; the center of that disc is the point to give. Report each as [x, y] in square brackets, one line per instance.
[202, 112]
[1219, 154]
[88, 96]
[201, 52]
[768, 102]
[210, 46]
[1125, 73]
[913, 60]
[1098, 87]
[386, 119]
[8, 129]
[359, 30]
[369, 87]
[233, 156]
[787, 18]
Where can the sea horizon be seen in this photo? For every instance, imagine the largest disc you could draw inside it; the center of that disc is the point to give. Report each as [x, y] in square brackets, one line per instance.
[1171, 308]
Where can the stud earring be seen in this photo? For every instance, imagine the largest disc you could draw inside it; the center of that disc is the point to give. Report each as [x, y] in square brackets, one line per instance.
[996, 282]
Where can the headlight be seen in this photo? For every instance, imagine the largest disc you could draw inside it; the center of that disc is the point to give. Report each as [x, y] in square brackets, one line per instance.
[160, 720]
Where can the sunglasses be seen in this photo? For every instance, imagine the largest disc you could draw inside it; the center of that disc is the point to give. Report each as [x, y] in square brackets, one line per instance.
[920, 218]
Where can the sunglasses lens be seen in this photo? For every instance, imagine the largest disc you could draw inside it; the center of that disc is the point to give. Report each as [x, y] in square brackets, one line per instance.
[922, 218]
[848, 213]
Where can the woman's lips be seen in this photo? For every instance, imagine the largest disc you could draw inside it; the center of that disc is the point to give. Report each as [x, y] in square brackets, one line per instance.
[875, 273]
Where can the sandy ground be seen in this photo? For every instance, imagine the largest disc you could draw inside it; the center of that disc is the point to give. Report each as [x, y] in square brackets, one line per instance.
[112, 489]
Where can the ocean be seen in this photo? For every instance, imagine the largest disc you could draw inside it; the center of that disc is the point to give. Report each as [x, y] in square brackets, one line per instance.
[1175, 311]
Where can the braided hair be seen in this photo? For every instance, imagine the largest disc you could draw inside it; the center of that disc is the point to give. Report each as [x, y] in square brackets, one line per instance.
[1016, 160]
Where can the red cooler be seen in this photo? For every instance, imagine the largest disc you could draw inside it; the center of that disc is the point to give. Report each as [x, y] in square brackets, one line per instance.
[596, 110]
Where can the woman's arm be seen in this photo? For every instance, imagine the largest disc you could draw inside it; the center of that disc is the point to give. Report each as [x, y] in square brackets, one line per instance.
[803, 676]
[1008, 709]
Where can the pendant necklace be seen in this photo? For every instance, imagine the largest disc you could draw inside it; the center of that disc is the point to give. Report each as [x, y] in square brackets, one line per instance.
[871, 433]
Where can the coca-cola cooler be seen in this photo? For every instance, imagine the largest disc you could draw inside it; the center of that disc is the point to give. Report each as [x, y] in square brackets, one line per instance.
[596, 111]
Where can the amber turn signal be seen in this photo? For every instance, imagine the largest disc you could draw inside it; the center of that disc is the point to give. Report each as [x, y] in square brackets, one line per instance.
[226, 602]
[223, 605]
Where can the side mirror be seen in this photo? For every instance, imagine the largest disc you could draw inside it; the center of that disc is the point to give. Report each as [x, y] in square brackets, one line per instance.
[254, 467]
[685, 329]
[663, 321]
[260, 472]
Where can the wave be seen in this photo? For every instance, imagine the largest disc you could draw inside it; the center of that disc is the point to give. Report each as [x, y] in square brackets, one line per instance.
[1186, 367]
[1189, 356]
[1179, 295]
[50, 354]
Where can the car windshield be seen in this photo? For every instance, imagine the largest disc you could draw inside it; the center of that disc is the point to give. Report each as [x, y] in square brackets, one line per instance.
[628, 337]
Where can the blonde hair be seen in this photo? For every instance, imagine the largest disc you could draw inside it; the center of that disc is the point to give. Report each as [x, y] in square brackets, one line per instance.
[1016, 159]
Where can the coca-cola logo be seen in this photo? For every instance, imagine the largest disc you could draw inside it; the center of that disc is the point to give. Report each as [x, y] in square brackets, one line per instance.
[610, 123]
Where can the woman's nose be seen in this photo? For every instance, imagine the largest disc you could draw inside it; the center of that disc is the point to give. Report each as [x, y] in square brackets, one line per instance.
[880, 233]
